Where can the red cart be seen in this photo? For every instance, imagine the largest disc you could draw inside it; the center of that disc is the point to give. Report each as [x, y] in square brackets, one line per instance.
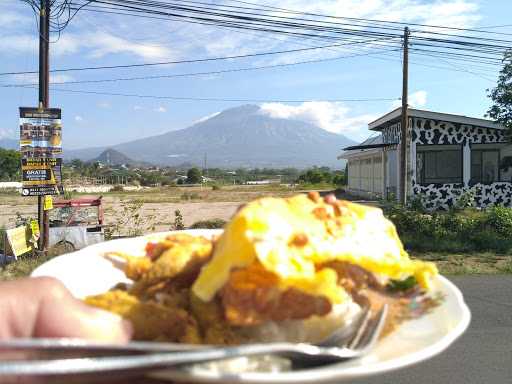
[76, 223]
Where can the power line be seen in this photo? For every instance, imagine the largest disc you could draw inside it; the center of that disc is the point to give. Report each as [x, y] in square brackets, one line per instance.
[218, 72]
[402, 24]
[183, 98]
[473, 46]
[142, 7]
[188, 61]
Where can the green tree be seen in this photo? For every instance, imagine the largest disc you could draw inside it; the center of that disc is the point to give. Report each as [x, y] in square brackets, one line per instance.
[149, 179]
[194, 176]
[501, 110]
[339, 178]
[316, 175]
[10, 164]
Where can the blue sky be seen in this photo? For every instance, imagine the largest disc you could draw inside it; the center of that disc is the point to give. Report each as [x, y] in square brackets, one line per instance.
[92, 40]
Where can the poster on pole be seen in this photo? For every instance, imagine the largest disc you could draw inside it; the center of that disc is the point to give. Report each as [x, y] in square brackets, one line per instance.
[41, 151]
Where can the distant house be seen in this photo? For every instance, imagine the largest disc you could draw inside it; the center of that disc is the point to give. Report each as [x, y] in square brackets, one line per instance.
[447, 156]
[263, 182]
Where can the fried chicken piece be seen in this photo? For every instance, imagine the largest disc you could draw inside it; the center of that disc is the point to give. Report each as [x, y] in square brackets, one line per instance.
[151, 320]
[210, 317]
[133, 267]
[252, 296]
[177, 260]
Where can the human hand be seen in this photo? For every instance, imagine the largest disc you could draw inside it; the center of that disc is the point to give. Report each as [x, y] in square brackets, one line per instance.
[43, 307]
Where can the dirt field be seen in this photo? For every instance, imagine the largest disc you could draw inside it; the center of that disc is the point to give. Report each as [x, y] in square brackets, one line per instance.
[158, 205]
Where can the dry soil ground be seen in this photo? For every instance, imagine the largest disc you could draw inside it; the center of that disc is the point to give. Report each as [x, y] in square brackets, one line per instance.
[158, 204]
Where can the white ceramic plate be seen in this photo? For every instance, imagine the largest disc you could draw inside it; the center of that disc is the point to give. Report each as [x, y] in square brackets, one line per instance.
[86, 272]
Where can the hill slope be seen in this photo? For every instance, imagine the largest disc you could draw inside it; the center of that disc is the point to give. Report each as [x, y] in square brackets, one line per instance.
[238, 137]
[112, 157]
[7, 143]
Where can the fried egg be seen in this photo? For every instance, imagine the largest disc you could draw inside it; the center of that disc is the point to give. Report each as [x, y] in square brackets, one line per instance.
[293, 237]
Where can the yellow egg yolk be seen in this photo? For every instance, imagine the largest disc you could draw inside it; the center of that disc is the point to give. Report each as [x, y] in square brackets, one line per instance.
[291, 237]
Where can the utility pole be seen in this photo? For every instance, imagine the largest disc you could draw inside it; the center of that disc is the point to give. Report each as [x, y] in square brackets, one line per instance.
[44, 99]
[405, 121]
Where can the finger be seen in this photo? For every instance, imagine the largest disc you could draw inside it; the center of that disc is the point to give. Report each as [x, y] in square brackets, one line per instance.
[43, 307]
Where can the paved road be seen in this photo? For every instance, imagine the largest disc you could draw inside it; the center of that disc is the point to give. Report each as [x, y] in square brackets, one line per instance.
[483, 355]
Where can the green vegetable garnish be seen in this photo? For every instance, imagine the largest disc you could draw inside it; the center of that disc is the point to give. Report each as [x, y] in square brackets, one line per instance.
[402, 285]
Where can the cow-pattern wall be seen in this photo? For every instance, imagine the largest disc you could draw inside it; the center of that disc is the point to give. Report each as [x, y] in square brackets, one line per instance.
[391, 134]
[427, 131]
[444, 196]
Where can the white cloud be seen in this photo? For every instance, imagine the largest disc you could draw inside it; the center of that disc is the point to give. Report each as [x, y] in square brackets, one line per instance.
[113, 35]
[333, 117]
[79, 118]
[9, 19]
[415, 99]
[33, 78]
[207, 117]
[160, 109]
[102, 43]
[19, 43]
[97, 45]
[104, 105]
[455, 13]
[7, 133]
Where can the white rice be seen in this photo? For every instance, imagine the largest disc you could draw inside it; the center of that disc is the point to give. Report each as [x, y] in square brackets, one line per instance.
[312, 330]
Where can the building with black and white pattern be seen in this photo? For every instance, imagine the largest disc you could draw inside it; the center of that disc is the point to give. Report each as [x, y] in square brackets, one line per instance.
[448, 157]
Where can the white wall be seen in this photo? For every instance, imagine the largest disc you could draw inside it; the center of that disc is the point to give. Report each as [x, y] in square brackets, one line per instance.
[365, 174]
[392, 169]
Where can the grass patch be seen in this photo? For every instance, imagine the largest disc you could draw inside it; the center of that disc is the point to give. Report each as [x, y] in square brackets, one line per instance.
[22, 267]
[487, 263]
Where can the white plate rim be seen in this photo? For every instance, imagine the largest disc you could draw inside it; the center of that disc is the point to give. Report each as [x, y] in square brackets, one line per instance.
[326, 374]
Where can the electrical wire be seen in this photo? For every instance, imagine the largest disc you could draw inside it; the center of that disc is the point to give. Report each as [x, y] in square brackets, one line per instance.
[258, 54]
[184, 98]
[218, 72]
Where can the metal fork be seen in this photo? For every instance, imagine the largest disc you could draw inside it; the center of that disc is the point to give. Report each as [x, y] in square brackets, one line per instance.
[347, 343]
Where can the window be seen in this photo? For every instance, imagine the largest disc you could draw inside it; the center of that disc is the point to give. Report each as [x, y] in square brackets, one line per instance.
[485, 165]
[439, 166]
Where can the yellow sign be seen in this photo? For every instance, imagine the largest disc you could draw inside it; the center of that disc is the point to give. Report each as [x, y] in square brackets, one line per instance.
[18, 239]
[48, 203]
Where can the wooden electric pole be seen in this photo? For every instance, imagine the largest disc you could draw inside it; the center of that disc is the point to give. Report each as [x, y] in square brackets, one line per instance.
[44, 74]
[404, 122]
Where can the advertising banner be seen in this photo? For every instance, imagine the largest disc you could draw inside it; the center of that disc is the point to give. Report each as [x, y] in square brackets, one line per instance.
[41, 151]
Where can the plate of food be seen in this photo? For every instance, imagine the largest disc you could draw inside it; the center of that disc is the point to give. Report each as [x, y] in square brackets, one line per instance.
[282, 270]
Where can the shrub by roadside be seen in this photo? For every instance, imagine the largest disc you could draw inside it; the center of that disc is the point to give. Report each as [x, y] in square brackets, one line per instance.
[464, 230]
[209, 224]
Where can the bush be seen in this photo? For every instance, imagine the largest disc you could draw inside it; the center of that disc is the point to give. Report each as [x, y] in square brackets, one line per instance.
[178, 221]
[117, 188]
[194, 176]
[500, 220]
[209, 224]
[488, 240]
[453, 231]
[190, 196]
[216, 187]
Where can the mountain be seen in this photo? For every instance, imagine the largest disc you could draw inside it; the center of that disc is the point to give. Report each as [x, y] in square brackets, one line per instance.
[237, 137]
[112, 157]
[7, 143]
